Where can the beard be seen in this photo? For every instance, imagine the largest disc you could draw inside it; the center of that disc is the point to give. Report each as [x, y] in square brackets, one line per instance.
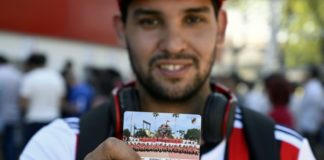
[174, 92]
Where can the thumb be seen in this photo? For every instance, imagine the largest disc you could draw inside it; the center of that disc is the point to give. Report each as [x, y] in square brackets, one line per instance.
[113, 149]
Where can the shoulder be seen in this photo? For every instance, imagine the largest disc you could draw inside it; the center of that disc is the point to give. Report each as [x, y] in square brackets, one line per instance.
[292, 145]
[60, 128]
[73, 124]
[43, 72]
[30, 77]
[98, 118]
[52, 73]
[101, 112]
[55, 141]
[289, 136]
[313, 85]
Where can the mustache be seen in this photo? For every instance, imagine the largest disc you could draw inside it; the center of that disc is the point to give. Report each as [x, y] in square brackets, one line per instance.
[172, 56]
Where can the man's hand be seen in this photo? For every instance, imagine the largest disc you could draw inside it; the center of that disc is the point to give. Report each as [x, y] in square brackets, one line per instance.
[113, 149]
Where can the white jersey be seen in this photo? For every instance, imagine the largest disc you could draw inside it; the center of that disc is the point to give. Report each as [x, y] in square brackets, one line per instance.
[56, 141]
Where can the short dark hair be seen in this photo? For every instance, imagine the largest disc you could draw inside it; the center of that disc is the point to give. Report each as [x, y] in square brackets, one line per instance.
[37, 59]
[123, 7]
[3, 59]
[313, 71]
[278, 88]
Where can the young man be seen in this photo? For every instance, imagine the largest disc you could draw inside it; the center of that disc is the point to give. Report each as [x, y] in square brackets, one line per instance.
[172, 45]
[41, 94]
[10, 79]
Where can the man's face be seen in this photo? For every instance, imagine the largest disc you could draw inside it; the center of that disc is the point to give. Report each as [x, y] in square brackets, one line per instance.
[172, 45]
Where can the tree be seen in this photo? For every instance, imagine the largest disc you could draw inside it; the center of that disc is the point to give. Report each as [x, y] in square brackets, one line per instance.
[301, 33]
[126, 133]
[140, 133]
[175, 116]
[182, 133]
[155, 115]
[193, 134]
[302, 25]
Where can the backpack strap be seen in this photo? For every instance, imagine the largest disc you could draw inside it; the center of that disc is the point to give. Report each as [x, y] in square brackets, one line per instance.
[259, 132]
[101, 123]
[216, 125]
[128, 100]
[95, 127]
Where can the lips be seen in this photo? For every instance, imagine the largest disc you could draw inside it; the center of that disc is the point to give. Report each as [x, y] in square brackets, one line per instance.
[173, 68]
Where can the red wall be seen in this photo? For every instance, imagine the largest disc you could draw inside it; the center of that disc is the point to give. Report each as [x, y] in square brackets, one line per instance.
[85, 20]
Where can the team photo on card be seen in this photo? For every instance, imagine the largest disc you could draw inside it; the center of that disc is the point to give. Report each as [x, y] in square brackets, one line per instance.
[163, 136]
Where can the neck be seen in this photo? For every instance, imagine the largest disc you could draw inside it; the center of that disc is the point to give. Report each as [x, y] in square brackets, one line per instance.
[195, 105]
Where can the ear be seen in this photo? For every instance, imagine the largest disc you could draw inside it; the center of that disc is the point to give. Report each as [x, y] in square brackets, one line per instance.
[120, 30]
[221, 30]
[221, 24]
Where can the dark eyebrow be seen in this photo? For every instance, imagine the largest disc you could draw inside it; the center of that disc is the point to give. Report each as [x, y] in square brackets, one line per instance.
[197, 10]
[149, 12]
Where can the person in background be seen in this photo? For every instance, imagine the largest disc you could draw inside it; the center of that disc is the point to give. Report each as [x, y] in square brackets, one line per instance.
[256, 99]
[311, 112]
[108, 79]
[67, 73]
[42, 91]
[279, 92]
[10, 79]
[79, 97]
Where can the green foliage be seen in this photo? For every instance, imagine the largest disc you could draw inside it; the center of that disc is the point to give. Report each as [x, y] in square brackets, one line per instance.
[126, 133]
[302, 23]
[140, 133]
[193, 134]
[155, 114]
[164, 131]
[182, 133]
[175, 115]
[238, 4]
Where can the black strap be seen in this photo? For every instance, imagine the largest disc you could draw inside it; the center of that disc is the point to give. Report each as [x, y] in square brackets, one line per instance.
[260, 136]
[95, 127]
[129, 99]
[213, 119]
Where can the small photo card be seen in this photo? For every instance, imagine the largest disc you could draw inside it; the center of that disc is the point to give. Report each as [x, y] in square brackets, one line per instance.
[163, 136]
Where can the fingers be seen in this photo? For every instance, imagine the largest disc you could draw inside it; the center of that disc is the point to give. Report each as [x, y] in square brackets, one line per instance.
[113, 149]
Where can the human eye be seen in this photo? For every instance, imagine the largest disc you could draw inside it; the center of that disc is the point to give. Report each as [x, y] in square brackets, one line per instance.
[194, 19]
[149, 22]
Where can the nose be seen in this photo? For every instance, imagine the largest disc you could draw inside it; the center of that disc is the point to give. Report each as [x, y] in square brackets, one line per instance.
[173, 41]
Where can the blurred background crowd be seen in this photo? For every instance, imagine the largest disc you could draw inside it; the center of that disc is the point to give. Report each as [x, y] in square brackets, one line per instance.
[62, 58]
